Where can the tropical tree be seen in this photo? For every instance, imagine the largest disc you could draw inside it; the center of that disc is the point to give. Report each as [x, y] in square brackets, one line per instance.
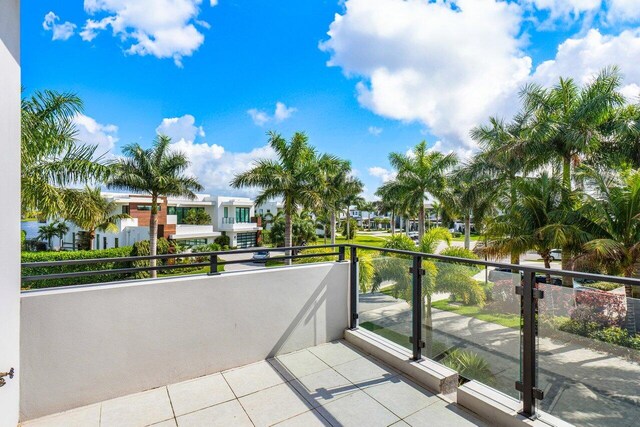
[334, 176]
[568, 124]
[303, 229]
[293, 176]
[51, 158]
[47, 232]
[197, 217]
[433, 237]
[420, 174]
[98, 214]
[350, 190]
[388, 193]
[158, 171]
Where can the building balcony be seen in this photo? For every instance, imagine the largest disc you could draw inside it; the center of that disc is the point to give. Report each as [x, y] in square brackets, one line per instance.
[315, 344]
[230, 224]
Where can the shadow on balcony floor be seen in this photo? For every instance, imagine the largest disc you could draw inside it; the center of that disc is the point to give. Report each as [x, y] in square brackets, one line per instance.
[332, 384]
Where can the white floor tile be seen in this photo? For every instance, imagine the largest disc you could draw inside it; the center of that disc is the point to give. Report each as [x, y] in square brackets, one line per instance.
[85, 416]
[299, 364]
[222, 415]
[401, 396]
[199, 393]
[365, 371]
[443, 414]
[136, 410]
[357, 409]
[306, 419]
[336, 353]
[273, 405]
[251, 378]
[324, 386]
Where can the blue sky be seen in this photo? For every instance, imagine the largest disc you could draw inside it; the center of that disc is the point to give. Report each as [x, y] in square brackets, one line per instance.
[389, 73]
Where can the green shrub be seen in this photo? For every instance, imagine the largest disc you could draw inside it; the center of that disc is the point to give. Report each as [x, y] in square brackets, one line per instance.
[401, 242]
[602, 286]
[459, 252]
[223, 241]
[124, 251]
[469, 365]
[456, 234]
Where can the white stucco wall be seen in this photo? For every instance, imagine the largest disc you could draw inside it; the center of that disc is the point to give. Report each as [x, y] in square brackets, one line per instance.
[89, 344]
[10, 212]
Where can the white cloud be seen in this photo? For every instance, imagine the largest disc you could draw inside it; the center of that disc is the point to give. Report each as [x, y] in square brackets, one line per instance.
[59, 31]
[458, 63]
[93, 133]
[581, 58]
[383, 174]
[162, 28]
[283, 112]
[612, 11]
[280, 114]
[178, 128]
[212, 164]
[374, 130]
[260, 118]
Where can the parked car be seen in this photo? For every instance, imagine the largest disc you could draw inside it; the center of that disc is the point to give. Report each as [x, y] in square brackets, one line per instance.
[261, 256]
[506, 274]
[556, 254]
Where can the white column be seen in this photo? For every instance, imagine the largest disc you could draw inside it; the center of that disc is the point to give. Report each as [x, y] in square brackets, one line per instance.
[10, 212]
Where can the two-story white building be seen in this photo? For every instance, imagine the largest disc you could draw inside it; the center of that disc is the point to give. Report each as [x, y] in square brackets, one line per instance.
[231, 216]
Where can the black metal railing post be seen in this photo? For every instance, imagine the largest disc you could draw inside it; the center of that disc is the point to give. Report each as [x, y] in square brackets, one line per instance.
[341, 253]
[213, 265]
[418, 306]
[527, 386]
[353, 285]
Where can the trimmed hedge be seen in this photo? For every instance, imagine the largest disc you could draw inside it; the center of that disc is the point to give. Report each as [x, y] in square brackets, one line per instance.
[124, 251]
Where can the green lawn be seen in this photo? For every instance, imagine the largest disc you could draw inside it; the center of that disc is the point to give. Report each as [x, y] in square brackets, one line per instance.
[389, 334]
[461, 238]
[505, 319]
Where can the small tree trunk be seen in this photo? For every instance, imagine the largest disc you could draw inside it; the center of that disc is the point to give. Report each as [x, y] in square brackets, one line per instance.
[467, 231]
[288, 232]
[393, 222]
[153, 235]
[421, 218]
[333, 227]
[92, 236]
[348, 224]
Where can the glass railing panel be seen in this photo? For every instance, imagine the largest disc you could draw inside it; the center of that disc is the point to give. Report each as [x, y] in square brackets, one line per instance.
[473, 314]
[588, 351]
[384, 302]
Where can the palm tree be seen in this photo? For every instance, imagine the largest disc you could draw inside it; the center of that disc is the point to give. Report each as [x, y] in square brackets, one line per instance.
[97, 215]
[51, 158]
[501, 161]
[432, 238]
[294, 176]
[350, 190]
[334, 176]
[568, 122]
[48, 231]
[421, 174]
[157, 171]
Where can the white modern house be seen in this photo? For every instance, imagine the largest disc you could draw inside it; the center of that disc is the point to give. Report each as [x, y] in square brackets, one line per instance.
[232, 216]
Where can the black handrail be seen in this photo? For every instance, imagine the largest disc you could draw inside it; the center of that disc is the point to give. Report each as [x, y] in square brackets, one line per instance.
[526, 288]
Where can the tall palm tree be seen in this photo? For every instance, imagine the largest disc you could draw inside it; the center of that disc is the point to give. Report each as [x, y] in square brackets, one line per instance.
[55, 229]
[99, 215]
[568, 122]
[389, 202]
[51, 158]
[333, 175]
[421, 174]
[159, 172]
[293, 176]
[350, 190]
[615, 210]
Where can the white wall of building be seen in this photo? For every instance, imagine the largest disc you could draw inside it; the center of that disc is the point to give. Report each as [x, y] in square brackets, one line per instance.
[88, 344]
[10, 213]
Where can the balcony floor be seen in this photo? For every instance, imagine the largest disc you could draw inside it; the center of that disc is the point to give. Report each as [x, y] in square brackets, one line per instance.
[332, 384]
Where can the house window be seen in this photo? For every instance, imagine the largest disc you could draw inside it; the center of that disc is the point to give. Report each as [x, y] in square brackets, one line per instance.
[226, 212]
[125, 209]
[97, 241]
[116, 243]
[182, 212]
[242, 215]
[148, 207]
[104, 243]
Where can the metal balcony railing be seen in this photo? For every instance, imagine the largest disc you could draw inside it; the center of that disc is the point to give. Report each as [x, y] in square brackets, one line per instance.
[528, 286]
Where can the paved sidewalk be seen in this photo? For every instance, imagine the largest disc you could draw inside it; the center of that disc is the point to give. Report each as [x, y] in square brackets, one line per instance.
[582, 386]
